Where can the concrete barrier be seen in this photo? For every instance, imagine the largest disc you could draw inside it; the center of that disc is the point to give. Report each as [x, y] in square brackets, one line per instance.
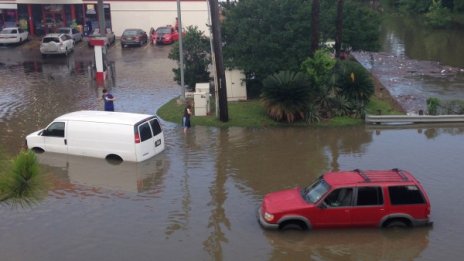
[406, 119]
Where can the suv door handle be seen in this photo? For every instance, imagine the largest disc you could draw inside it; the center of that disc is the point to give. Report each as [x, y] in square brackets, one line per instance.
[65, 142]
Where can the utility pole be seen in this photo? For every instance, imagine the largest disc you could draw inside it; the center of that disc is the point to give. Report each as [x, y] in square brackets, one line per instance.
[101, 17]
[217, 46]
[181, 51]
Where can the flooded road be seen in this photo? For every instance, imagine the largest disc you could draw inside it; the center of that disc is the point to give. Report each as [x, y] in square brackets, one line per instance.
[198, 199]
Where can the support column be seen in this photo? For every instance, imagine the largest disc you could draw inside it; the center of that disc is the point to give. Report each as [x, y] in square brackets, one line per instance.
[99, 44]
[30, 20]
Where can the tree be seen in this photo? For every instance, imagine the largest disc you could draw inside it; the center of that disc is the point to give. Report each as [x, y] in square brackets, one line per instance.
[339, 28]
[263, 37]
[197, 49]
[315, 12]
[286, 96]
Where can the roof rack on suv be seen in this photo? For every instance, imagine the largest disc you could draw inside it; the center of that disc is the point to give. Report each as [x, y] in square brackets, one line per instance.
[400, 172]
[363, 175]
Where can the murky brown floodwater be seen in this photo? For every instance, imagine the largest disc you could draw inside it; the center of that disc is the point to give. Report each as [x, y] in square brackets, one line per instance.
[197, 200]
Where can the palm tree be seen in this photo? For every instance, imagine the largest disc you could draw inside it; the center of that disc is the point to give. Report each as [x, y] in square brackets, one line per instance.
[286, 96]
[339, 28]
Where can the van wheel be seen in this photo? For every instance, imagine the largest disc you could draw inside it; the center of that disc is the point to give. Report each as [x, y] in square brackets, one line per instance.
[114, 159]
[293, 225]
[38, 150]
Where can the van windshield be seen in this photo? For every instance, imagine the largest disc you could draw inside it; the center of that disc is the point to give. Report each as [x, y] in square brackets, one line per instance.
[315, 191]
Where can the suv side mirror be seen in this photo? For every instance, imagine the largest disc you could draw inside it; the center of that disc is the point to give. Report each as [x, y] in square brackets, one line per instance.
[322, 205]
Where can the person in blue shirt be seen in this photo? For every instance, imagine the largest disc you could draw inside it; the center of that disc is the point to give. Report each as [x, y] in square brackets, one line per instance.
[108, 98]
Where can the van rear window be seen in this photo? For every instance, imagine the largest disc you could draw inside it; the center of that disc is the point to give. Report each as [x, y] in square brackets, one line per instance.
[145, 132]
[155, 126]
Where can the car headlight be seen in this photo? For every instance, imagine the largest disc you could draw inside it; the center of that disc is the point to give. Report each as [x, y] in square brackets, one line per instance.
[268, 217]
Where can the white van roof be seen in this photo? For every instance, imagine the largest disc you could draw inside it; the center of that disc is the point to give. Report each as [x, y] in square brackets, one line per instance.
[105, 117]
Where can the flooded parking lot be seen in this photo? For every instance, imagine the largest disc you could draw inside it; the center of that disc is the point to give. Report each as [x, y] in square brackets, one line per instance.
[198, 199]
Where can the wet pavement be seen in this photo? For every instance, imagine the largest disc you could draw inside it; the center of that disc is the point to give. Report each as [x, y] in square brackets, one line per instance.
[198, 199]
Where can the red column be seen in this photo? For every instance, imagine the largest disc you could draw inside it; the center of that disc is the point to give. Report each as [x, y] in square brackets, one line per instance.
[31, 21]
[73, 12]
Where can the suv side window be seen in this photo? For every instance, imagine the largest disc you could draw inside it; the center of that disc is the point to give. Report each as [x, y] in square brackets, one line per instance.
[145, 132]
[369, 196]
[339, 198]
[403, 195]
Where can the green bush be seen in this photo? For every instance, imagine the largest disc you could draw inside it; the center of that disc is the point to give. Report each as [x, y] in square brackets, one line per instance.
[286, 96]
[21, 182]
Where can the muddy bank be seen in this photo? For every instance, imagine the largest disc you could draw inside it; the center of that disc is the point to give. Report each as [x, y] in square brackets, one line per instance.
[410, 82]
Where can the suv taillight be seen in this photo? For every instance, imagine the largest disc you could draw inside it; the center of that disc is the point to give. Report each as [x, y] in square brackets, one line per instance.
[137, 137]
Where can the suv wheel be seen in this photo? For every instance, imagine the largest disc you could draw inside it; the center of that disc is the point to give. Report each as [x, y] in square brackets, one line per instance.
[397, 224]
[293, 225]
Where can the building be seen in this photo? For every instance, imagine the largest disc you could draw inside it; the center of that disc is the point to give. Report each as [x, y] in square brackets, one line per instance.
[44, 16]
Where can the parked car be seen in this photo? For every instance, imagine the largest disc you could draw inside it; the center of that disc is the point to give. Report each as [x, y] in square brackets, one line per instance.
[56, 44]
[110, 38]
[133, 37]
[101, 134]
[374, 198]
[73, 32]
[13, 35]
[165, 35]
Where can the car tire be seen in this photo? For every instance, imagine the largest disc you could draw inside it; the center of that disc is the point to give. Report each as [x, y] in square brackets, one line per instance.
[293, 225]
[397, 224]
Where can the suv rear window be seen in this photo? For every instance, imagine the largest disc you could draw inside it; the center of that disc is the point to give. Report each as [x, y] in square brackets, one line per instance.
[403, 195]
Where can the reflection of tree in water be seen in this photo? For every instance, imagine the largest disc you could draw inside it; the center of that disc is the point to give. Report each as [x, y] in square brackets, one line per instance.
[218, 220]
[347, 140]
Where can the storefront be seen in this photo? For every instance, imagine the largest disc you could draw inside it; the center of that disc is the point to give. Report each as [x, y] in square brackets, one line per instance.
[40, 19]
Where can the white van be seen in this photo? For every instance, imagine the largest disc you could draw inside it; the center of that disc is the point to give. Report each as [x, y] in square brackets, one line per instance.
[101, 134]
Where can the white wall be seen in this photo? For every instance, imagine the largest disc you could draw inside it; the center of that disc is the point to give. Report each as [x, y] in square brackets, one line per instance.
[145, 15]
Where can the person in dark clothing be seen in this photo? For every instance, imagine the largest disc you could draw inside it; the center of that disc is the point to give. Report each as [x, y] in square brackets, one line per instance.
[186, 118]
[108, 98]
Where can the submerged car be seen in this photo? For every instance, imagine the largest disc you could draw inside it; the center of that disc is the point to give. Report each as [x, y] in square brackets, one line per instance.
[13, 35]
[73, 32]
[133, 37]
[56, 44]
[371, 198]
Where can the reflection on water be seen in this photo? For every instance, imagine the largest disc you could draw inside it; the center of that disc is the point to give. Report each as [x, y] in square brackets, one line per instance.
[198, 199]
[98, 173]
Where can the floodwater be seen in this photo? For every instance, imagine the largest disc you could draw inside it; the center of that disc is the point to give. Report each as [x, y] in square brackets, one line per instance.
[417, 63]
[198, 199]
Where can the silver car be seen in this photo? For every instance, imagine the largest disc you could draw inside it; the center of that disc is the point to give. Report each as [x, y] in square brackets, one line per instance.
[56, 44]
[73, 32]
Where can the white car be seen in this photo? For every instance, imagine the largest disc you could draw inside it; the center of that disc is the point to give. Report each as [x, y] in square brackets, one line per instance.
[56, 44]
[13, 35]
[73, 32]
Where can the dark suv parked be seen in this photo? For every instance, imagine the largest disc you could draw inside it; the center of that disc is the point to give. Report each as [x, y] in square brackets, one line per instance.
[374, 198]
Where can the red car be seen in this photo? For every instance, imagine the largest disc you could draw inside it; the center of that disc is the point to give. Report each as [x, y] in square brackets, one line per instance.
[374, 198]
[165, 35]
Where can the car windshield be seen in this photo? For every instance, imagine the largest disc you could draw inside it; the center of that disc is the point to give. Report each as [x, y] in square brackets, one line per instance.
[163, 30]
[315, 191]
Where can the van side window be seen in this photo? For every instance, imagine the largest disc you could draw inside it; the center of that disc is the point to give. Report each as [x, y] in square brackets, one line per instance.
[155, 126]
[145, 132]
[369, 196]
[55, 130]
[403, 195]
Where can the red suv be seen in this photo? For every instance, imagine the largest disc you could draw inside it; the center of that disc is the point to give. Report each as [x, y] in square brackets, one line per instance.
[371, 198]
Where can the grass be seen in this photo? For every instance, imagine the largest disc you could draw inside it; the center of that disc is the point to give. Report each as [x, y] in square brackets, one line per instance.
[252, 114]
